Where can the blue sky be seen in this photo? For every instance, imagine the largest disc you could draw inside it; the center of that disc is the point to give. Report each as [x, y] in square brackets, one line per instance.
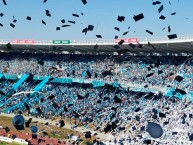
[100, 13]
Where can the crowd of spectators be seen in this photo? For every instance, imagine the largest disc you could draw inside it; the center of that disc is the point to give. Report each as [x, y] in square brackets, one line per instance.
[117, 110]
[123, 68]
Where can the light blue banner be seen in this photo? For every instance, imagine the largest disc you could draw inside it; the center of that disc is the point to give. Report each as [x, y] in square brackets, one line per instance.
[96, 83]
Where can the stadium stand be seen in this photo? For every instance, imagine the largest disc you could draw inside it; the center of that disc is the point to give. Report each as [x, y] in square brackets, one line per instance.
[130, 90]
[102, 103]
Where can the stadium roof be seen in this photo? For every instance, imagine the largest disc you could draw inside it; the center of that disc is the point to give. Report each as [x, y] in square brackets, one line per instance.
[182, 44]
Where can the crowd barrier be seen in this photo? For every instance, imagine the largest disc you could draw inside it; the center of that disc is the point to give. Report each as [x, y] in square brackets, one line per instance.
[5, 139]
[16, 140]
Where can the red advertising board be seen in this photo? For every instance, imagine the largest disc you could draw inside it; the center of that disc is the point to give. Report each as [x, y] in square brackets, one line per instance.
[23, 41]
[127, 40]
